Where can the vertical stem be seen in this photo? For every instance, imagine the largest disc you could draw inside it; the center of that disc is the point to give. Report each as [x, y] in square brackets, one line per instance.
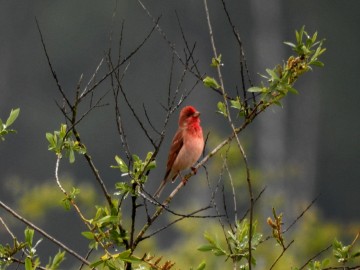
[222, 88]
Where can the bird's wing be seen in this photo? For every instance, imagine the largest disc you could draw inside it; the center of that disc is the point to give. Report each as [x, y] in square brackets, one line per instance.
[176, 146]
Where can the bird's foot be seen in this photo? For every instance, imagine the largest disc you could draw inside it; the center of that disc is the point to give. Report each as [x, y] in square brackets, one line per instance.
[194, 170]
[184, 180]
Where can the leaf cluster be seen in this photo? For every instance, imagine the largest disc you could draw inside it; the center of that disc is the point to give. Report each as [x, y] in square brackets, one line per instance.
[29, 249]
[138, 173]
[60, 141]
[4, 127]
[276, 226]
[238, 243]
[280, 80]
[344, 253]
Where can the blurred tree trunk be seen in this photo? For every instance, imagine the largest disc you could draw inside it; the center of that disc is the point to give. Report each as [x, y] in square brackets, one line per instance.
[270, 138]
[285, 139]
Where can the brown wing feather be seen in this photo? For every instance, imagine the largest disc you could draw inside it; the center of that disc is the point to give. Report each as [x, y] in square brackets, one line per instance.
[176, 145]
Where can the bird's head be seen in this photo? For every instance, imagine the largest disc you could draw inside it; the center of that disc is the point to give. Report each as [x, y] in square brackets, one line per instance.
[189, 115]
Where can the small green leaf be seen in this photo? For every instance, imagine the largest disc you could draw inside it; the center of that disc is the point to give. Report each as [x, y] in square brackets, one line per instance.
[293, 90]
[201, 266]
[211, 82]
[120, 164]
[29, 235]
[59, 257]
[255, 89]
[273, 74]
[317, 63]
[236, 104]
[71, 156]
[205, 248]
[28, 264]
[50, 138]
[292, 45]
[13, 115]
[222, 108]
[215, 62]
[89, 235]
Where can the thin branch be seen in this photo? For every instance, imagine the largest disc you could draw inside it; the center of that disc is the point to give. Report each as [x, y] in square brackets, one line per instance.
[191, 215]
[281, 254]
[316, 255]
[149, 121]
[51, 67]
[233, 192]
[301, 214]
[255, 200]
[126, 59]
[7, 228]
[148, 197]
[119, 122]
[136, 116]
[91, 79]
[243, 62]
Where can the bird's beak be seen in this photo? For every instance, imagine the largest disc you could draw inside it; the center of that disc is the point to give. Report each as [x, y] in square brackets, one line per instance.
[196, 114]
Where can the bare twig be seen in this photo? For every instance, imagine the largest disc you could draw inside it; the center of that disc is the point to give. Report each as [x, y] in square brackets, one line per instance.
[233, 192]
[243, 62]
[51, 67]
[182, 217]
[302, 213]
[7, 228]
[281, 254]
[316, 255]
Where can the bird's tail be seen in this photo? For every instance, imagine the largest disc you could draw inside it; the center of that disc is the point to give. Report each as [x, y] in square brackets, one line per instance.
[160, 189]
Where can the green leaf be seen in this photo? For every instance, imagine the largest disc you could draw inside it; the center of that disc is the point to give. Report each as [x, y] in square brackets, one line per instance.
[273, 74]
[121, 165]
[255, 89]
[205, 248]
[107, 219]
[126, 256]
[293, 90]
[50, 138]
[29, 235]
[222, 108]
[28, 264]
[290, 44]
[59, 257]
[211, 82]
[201, 266]
[317, 63]
[89, 235]
[13, 115]
[215, 62]
[71, 156]
[236, 104]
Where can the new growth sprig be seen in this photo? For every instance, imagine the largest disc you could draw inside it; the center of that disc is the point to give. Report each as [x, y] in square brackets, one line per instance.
[281, 79]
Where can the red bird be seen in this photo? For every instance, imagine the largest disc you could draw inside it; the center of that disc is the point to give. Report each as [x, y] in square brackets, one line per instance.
[186, 148]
